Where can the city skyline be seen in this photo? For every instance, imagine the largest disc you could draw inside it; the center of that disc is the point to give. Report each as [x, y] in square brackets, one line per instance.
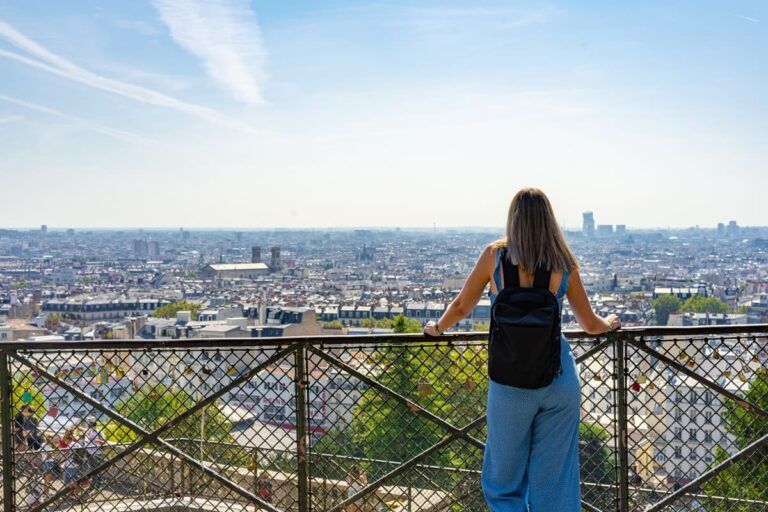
[422, 228]
[234, 113]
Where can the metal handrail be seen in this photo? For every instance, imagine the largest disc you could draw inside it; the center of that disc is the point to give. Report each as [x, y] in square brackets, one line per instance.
[324, 339]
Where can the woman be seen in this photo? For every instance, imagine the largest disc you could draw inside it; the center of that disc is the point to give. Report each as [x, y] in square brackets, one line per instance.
[531, 458]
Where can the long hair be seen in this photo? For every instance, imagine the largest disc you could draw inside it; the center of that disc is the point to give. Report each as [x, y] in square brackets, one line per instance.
[533, 236]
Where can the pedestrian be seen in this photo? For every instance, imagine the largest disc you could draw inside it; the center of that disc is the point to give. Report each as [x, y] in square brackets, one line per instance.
[531, 457]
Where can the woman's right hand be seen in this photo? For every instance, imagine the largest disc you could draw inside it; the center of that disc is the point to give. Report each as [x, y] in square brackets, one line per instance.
[614, 322]
[430, 328]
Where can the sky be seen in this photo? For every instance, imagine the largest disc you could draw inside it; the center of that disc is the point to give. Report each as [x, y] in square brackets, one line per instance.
[230, 113]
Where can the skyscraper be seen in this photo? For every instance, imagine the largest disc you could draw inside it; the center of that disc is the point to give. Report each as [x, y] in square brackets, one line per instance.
[153, 249]
[140, 248]
[588, 227]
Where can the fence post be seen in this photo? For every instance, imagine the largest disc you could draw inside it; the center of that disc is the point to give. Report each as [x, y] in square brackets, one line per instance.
[6, 420]
[173, 475]
[620, 354]
[301, 381]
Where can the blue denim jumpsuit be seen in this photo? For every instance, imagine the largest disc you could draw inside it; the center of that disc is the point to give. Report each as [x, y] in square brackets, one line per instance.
[531, 459]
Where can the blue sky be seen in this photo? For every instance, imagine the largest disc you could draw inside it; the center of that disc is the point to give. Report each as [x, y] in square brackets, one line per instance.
[167, 113]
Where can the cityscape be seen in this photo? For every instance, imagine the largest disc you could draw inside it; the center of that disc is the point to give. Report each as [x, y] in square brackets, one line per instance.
[245, 251]
[60, 285]
[102, 284]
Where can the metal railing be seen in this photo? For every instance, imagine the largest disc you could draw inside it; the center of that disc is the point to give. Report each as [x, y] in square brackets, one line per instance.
[671, 419]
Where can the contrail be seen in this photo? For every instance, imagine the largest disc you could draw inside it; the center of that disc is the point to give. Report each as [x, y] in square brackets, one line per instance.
[57, 65]
[106, 130]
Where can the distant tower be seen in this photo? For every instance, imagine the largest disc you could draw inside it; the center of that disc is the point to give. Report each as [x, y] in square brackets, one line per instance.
[588, 227]
[732, 229]
[275, 263]
[256, 254]
[153, 249]
[720, 228]
[140, 248]
[44, 229]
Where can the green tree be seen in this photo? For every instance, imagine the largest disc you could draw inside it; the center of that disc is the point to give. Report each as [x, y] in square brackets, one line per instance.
[52, 321]
[595, 462]
[170, 310]
[402, 324]
[699, 304]
[482, 326]
[447, 381]
[747, 479]
[153, 405]
[26, 392]
[665, 305]
[382, 323]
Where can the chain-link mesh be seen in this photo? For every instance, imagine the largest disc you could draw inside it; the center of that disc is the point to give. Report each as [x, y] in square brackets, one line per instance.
[691, 409]
[372, 424]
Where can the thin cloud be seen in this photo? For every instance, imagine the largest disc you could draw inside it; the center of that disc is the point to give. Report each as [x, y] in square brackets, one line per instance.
[142, 27]
[225, 36]
[57, 65]
[106, 130]
[747, 18]
[10, 119]
[437, 19]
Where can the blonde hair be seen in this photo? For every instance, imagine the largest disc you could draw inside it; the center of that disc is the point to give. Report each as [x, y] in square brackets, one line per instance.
[533, 236]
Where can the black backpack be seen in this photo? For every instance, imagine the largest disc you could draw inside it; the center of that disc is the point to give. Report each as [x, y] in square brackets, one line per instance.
[524, 345]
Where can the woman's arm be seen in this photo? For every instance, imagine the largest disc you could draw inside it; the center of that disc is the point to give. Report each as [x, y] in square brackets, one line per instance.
[469, 295]
[582, 309]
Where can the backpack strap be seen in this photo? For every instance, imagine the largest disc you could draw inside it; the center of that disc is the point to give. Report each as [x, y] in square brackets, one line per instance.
[509, 271]
[541, 278]
[511, 277]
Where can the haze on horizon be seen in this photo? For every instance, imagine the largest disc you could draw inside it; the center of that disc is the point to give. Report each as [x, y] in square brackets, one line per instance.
[168, 113]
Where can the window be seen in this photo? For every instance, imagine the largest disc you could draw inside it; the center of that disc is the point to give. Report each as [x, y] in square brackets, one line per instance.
[677, 453]
[677, 433]
[692, 434]
[708, 437]
[708, 415]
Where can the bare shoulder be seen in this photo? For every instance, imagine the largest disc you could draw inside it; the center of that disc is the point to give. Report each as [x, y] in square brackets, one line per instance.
[490, 253]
